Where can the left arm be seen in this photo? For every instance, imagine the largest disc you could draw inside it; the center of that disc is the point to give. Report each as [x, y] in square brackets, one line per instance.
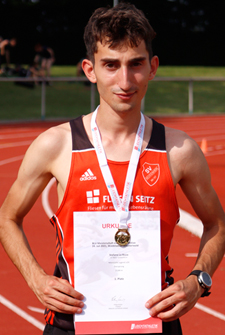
[195, 181]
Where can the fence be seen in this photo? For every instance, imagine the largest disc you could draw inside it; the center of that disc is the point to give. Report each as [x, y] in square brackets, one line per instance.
[93, 89]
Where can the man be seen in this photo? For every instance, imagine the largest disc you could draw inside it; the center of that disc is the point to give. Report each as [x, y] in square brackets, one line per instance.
[46, 57]
[120, 62]
[5, 46]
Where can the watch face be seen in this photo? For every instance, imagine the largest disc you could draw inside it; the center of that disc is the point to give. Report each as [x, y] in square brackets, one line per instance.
[205, 279]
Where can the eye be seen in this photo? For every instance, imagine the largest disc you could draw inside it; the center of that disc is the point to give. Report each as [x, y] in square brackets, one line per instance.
[136, 64]
[111, 66]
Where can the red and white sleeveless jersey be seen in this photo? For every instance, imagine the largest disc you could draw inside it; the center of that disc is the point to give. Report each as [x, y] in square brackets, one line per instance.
[86, 191]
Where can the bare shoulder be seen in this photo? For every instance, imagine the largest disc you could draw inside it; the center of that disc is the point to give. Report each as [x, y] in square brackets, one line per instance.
[184, 154]
[54, 138]
[53, 141]
[177, 141]
[48, 148]
[44, 159]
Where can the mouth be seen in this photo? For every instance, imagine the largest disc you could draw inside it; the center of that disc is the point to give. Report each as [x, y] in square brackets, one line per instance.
[125, 96]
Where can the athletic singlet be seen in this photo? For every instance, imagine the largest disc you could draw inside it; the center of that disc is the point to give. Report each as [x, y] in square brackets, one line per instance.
[86, 191]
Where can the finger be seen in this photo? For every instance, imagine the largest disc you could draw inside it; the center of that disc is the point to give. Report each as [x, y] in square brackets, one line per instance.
[157, 298]
[60, 296]
[174, 313]
[58, 306]
[61, 302]
[66, 288]
[162, 306]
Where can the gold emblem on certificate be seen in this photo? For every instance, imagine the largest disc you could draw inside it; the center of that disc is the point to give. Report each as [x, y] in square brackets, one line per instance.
[122, 237]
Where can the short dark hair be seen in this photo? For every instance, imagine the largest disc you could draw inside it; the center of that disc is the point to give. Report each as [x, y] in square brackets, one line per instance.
[122, 23]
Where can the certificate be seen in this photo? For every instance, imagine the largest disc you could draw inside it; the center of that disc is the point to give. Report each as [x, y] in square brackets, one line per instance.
[116, 281]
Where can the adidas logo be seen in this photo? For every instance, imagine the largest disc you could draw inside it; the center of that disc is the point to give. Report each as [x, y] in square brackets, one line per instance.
[88, 175]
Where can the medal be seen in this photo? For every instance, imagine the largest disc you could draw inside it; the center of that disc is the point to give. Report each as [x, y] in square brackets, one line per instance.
[122, 237]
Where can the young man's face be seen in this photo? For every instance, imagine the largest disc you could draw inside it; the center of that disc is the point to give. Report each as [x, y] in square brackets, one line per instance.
[122, 75]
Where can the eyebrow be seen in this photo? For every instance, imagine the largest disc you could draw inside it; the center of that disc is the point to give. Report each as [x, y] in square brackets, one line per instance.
[113, 60]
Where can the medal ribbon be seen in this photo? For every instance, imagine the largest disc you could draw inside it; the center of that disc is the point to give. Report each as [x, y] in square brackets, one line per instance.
[121, 206]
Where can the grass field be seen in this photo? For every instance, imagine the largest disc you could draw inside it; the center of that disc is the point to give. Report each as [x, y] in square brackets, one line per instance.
[70, 99]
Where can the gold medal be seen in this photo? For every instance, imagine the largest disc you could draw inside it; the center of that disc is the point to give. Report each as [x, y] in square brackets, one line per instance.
[122, 237]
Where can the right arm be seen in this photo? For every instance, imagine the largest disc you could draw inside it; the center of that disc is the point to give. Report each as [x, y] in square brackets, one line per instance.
[35, 172]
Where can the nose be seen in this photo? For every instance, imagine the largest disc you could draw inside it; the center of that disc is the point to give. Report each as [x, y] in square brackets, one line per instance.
[124, 78]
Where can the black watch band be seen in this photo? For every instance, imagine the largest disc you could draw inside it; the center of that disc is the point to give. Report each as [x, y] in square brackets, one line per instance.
[204, 281]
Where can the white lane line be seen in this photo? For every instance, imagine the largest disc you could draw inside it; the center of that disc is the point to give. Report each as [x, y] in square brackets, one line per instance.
[191, 254]
[210, 311]
[11, 160]
[206, 132]
[190, 223]
[214, 153]
[210, 138]
[35, 309]
[15, 144]
[21, 313]
[9, 136]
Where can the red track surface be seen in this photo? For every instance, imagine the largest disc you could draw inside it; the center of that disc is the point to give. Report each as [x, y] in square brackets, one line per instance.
[14, 140]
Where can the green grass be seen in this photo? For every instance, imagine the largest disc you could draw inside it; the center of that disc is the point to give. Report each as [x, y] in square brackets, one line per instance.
[190, 71]
[70, 99]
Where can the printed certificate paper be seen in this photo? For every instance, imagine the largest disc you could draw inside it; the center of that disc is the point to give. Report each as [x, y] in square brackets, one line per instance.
[117, 281]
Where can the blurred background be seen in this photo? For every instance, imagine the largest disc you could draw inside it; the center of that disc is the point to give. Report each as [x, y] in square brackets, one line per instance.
[189, 44]
[188, 32]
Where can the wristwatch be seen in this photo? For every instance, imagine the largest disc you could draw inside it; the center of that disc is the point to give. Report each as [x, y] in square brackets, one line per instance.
[205, 281]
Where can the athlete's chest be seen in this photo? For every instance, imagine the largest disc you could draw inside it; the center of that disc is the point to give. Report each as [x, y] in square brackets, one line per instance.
[89, 191]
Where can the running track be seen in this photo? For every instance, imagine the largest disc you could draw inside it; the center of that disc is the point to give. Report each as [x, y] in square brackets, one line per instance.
[20, 311]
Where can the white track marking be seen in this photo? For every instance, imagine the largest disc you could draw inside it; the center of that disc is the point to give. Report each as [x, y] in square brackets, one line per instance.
[210, 138]
[205, 132]
[191, 254]
[15, 144]
[210, 311]
[190, 223]
[35, 309]
[45, 200]
[9, 136]
[11, 160]
[21, 313]
[215, 153]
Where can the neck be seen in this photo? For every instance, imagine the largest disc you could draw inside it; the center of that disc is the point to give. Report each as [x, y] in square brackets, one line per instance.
[117, 124]
[118, 131]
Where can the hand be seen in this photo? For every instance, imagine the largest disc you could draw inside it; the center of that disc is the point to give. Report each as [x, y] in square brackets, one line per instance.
[58, 295]
[175, 300]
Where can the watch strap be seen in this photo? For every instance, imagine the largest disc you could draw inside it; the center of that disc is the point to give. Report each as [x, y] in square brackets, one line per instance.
[206, 293]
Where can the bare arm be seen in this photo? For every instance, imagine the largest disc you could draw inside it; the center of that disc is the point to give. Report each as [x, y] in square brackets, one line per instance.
[51, 52]
[35, 172]
[190, 168]
[3, 44]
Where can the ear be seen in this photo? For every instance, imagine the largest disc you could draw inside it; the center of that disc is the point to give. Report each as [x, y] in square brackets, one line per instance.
[154, 67]
[88, 69]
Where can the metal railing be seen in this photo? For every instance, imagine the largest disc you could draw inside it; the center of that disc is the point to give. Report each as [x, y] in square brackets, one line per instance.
[190, 80]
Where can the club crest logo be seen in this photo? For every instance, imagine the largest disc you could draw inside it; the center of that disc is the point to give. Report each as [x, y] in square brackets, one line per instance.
[151, 173]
